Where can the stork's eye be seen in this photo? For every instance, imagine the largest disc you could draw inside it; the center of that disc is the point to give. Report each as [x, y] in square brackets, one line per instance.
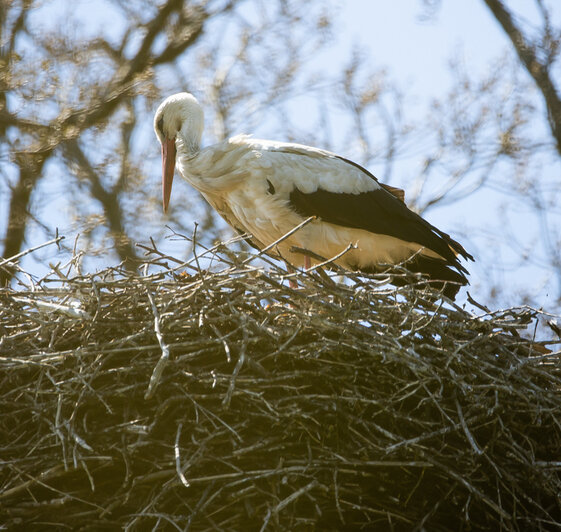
[160, 126]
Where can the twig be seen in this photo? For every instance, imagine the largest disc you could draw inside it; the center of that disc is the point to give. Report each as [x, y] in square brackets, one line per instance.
[71, 312]
[239, 364]
[293, 496]
[281, 239]
[159, 368]
[31, 250]
[468, 434]
[331, 260]
[180, 474]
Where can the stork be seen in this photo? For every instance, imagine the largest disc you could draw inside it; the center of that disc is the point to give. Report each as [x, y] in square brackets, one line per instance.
[266, 189]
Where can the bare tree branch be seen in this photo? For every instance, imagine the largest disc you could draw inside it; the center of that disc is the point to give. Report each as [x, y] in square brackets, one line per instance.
[109, 201]
[30, 167]
[536, 69]
[71, 123]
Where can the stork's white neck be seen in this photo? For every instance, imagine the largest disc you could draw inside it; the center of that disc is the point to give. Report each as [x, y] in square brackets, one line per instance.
[188, 139]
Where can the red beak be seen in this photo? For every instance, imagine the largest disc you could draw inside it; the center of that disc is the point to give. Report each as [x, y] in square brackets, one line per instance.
[168, 167]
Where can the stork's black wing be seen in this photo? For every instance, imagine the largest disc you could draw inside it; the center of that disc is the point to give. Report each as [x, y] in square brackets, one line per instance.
[380, 212]
[377, 211]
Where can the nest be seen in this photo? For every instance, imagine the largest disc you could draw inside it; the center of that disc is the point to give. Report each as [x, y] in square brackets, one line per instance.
[225, 399]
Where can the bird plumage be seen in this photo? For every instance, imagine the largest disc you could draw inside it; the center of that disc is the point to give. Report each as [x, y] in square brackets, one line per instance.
[267, 188]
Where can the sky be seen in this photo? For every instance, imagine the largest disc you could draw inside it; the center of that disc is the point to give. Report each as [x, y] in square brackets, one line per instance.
[417, 49]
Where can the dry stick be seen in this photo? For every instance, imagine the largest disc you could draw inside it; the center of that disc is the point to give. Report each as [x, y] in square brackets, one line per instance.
[64, 495]
[180, 474]
[241, 359]
[194, 240]
[31, 250]
[188, 263]
[468, 434]
[326, 261]
[336, 495]
[71, 312]
[212, 415]
[276, 242]
[54, 472]
[155, 250]
[159, 367]
[293, 496]
[470, 487]
[220, 337]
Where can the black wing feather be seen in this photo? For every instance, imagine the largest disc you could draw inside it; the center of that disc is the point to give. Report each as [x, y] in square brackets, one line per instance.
[378, 212]
[455, 245]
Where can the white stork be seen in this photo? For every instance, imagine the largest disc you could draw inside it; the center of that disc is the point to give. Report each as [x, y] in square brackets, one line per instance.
[267, 188]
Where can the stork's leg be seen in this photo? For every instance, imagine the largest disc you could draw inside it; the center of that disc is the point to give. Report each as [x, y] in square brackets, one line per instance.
[307, 265]
[291, 282]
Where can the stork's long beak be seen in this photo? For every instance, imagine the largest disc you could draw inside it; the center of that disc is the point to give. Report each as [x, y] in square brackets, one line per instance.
[168, 166]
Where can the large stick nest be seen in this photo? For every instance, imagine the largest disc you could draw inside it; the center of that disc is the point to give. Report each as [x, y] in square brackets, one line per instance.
[227, 400]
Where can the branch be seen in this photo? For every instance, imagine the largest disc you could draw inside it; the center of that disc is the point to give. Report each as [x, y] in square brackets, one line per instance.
[537, 70]
[55, 240]
[68, 126]
[109, 202]
[30, 168]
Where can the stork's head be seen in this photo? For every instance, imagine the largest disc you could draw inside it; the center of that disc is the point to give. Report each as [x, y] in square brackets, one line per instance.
[178, 124]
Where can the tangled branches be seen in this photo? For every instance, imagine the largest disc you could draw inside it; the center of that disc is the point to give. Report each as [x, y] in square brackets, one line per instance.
[224, 399]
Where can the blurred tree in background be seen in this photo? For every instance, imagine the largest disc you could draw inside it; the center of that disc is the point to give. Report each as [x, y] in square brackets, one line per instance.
[78, 96]
[78, 89]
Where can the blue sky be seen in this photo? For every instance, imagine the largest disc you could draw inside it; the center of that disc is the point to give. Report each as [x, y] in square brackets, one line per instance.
[417, 50]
